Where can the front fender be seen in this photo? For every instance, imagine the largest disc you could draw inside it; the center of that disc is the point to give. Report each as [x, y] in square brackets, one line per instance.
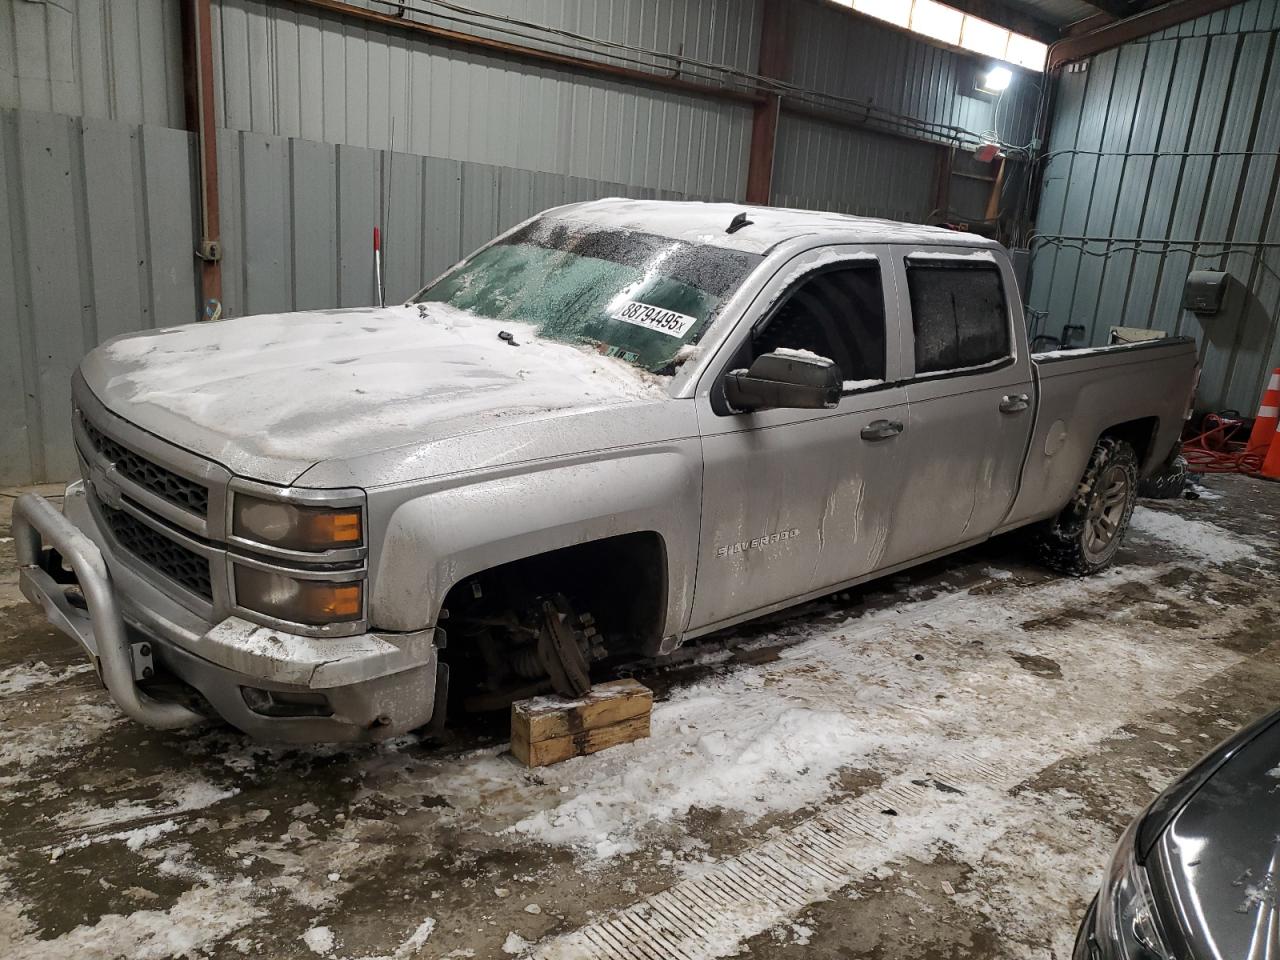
[459, 526]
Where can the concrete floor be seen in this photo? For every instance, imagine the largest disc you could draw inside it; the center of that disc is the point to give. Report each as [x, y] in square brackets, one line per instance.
[988, 729]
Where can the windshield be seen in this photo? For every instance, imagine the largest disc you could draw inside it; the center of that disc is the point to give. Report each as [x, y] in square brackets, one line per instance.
[643, 298]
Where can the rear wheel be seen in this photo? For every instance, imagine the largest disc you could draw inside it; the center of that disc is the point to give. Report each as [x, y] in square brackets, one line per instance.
[1168, 482]
[1085, 536]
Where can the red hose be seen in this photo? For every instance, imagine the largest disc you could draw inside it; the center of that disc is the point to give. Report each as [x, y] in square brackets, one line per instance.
[1213, 450]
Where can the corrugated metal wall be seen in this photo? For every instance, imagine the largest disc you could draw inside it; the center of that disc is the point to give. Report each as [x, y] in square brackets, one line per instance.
[297, 218]
[859, 57]
[96, 221]
[1165, 157]
[96, 227]
[109, 59]
[832, 167]
[97, 181]
[287, 72]
[824, 167]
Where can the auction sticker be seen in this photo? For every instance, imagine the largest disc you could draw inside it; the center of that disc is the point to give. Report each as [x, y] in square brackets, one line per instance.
[655, 318]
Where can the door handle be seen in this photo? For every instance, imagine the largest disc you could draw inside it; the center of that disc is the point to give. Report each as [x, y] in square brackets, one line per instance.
[881, 430]
[1014, 403]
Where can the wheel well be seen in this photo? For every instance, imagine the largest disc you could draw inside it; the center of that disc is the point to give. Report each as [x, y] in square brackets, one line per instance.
[1139, 434]
[621, 581]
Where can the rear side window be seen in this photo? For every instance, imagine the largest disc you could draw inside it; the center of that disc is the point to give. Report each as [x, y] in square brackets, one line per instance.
[836, 313]
[959, 315]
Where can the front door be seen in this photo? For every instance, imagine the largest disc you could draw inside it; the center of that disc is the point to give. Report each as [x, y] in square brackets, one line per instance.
[970, 398]
[795, 501]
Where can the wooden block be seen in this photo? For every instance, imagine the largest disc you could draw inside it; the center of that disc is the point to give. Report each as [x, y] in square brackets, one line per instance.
[542, 718]
[545, 752]
[550, 729]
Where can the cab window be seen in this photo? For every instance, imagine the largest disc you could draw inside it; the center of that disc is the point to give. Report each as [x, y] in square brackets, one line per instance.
[836, 313]
[958, 313]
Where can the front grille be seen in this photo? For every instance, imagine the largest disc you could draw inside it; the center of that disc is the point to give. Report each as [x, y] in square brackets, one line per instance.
[165, 484]
[182, 566]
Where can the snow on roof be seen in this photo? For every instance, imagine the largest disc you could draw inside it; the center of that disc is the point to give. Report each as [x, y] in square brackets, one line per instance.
[699, 222]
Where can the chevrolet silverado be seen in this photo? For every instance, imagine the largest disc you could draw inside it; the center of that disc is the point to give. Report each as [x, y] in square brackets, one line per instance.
[615, 428]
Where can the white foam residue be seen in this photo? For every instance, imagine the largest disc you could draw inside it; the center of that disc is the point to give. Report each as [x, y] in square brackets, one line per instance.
[1206, 540]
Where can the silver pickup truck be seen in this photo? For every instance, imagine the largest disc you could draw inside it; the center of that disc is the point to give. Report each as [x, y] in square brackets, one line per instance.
[617, 427]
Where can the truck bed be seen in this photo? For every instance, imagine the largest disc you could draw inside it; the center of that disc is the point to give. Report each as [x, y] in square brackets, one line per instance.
[1084, 392]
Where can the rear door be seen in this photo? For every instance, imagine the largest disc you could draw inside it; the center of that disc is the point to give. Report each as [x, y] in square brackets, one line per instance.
[798, 500]
[970, 395]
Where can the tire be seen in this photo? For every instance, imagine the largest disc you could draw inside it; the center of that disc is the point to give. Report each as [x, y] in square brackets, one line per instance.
[1169, 482]
[1084, 537]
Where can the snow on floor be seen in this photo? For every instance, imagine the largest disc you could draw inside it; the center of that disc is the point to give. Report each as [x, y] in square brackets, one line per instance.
[1011, 667]
[195, 794]
[31, 676]
[1205, 540]
[770, 739]
[919, 683]
[774, 756]
[88, 720]
[201, 916]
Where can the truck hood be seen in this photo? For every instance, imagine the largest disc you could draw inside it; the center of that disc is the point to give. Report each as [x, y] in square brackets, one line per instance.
[268, 396]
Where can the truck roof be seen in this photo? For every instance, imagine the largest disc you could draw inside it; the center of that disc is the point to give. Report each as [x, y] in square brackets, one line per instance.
[701, 222]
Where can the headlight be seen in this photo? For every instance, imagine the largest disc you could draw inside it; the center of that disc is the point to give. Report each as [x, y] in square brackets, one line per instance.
[296, 526]
[314, 602]
[1128, 926]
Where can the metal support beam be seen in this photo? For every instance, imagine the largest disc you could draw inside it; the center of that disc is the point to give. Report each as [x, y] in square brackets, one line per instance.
[532, 54]
[197, 57]
[1118, 9]
[1132, 28]
[773, 57]
[764, 137]
[942, 173]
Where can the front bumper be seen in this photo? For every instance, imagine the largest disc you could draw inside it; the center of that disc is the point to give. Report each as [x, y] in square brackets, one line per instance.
[273, 685]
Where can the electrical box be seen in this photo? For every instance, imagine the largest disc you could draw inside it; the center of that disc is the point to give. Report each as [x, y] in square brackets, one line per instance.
[1205, 291]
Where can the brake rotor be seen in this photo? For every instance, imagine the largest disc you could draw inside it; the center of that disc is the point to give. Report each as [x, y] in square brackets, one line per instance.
[561, 649]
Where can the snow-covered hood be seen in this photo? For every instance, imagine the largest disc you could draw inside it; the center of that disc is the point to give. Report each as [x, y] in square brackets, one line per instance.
[270, 395]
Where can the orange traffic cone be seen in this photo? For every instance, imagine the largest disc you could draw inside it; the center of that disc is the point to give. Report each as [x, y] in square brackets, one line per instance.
[1264, 427]
[1271, 466]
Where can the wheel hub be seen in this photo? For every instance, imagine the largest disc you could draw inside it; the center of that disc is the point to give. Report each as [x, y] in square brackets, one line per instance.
[1106, 509]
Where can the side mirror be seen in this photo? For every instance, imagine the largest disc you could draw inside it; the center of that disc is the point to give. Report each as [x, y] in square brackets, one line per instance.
[791, 379]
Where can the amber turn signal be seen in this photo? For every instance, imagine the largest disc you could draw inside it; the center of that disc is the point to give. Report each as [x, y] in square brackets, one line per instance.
[296, 526]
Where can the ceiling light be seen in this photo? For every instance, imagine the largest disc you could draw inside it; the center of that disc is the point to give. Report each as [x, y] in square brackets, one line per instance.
[995, 80]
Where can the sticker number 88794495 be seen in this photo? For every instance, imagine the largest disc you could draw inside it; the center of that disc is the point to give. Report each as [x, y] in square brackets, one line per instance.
[655, 318]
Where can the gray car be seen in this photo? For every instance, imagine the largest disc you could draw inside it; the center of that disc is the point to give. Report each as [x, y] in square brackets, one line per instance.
[617, 427]
[1194, 877]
